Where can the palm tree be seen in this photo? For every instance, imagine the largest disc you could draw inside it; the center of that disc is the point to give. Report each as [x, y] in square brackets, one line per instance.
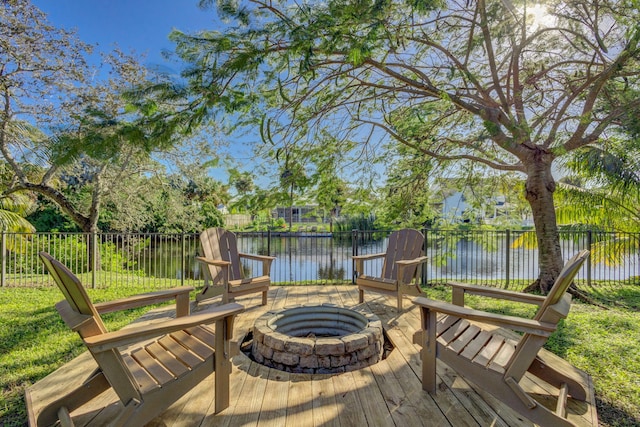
[13, 209]
[604, 194]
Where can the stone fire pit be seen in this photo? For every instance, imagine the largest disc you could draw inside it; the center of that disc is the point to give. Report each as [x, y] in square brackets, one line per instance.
[318, 339]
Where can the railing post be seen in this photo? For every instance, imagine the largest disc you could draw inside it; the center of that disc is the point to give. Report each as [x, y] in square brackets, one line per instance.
[182, 259]
[589, 240]
[423, 268]
[507, 258]
[94, 257]
[3, 248]
[269, 242]
[354, 252]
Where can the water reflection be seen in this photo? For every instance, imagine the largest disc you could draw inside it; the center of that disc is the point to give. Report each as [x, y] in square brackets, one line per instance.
[322, 259]
[306, 259]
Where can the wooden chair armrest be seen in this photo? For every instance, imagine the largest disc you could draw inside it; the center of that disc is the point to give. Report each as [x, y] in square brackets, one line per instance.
[216, 262]
[460, 289]
[407, 262]
[266, 261]
[530, 326]
[257, 257]
[368, 256]
[145, 299]
[360, 259]
[404, 263]
[134, 334]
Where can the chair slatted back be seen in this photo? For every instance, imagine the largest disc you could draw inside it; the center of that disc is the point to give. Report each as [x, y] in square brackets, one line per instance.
[72, 289]
[562, 283]
[403, 245]
[218, 243]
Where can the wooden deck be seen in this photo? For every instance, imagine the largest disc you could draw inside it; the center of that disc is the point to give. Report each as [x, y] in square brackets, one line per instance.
[386, 394]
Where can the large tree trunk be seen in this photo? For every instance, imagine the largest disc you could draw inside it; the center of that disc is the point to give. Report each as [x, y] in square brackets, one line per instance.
[539, 190]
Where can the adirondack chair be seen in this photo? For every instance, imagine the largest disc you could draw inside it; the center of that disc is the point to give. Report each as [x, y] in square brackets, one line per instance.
[149, 367]
[400, 266]
[223, 272]
[487, 356]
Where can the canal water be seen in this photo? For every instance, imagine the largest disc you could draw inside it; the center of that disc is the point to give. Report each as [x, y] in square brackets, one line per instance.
[321, 259]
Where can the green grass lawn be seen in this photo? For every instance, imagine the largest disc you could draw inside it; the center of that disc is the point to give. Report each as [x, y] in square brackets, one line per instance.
[603, 341]
[34, 341]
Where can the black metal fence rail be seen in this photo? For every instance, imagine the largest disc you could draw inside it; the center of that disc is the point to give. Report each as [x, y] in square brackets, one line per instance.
[506, 258]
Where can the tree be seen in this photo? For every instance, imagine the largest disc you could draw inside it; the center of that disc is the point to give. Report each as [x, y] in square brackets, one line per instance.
[604, 189]
[506, 84]
[13, 210]
[408, 193]
[38, 64]
[603, 194]
[292, 167]
[67, 132]
[241, 181]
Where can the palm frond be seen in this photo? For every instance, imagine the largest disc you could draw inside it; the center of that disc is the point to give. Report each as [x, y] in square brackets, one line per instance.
[526, 240]
[13, 222]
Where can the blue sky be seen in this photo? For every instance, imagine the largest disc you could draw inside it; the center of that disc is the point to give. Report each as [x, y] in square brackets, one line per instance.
[141, 26]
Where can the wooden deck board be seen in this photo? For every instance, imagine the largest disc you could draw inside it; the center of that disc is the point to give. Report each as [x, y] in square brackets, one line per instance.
[274, 408]
[386, 394]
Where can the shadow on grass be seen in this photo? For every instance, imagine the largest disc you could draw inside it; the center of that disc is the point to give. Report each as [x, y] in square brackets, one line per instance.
[619, 295]
[36, 343]
[31, 329]
[611, 416]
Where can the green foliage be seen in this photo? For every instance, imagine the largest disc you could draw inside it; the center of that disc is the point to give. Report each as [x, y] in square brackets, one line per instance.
[483, 82]
[48, 218]
[604, 190]
[72, 250]
[408, 195]
[72, 132]
[13, 210]
[343, 227]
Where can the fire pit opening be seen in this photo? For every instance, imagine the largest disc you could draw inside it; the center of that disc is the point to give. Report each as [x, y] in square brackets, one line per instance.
[317, 339]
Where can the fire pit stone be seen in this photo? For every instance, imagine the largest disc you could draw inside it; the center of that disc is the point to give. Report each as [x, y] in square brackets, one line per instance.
[317, 339]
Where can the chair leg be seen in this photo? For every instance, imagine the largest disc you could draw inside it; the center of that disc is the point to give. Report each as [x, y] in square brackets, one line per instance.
[399, 297]
[561, 406]
[65, 418]
[222, 367]
[429, 350]
[264, 298]
[360, 296]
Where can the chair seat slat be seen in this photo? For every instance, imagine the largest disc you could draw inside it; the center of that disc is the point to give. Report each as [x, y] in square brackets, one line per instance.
[181, 353]
[152, 366]
[444, 323]
[476, 345]
[502, 358]
[195, 345]
[461, 342]
[204, 334]
[487, 353]
[454, 331]
[145, 381]
[173, 365]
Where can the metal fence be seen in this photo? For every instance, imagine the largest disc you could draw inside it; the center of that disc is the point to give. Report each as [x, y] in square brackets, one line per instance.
[505, 258]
